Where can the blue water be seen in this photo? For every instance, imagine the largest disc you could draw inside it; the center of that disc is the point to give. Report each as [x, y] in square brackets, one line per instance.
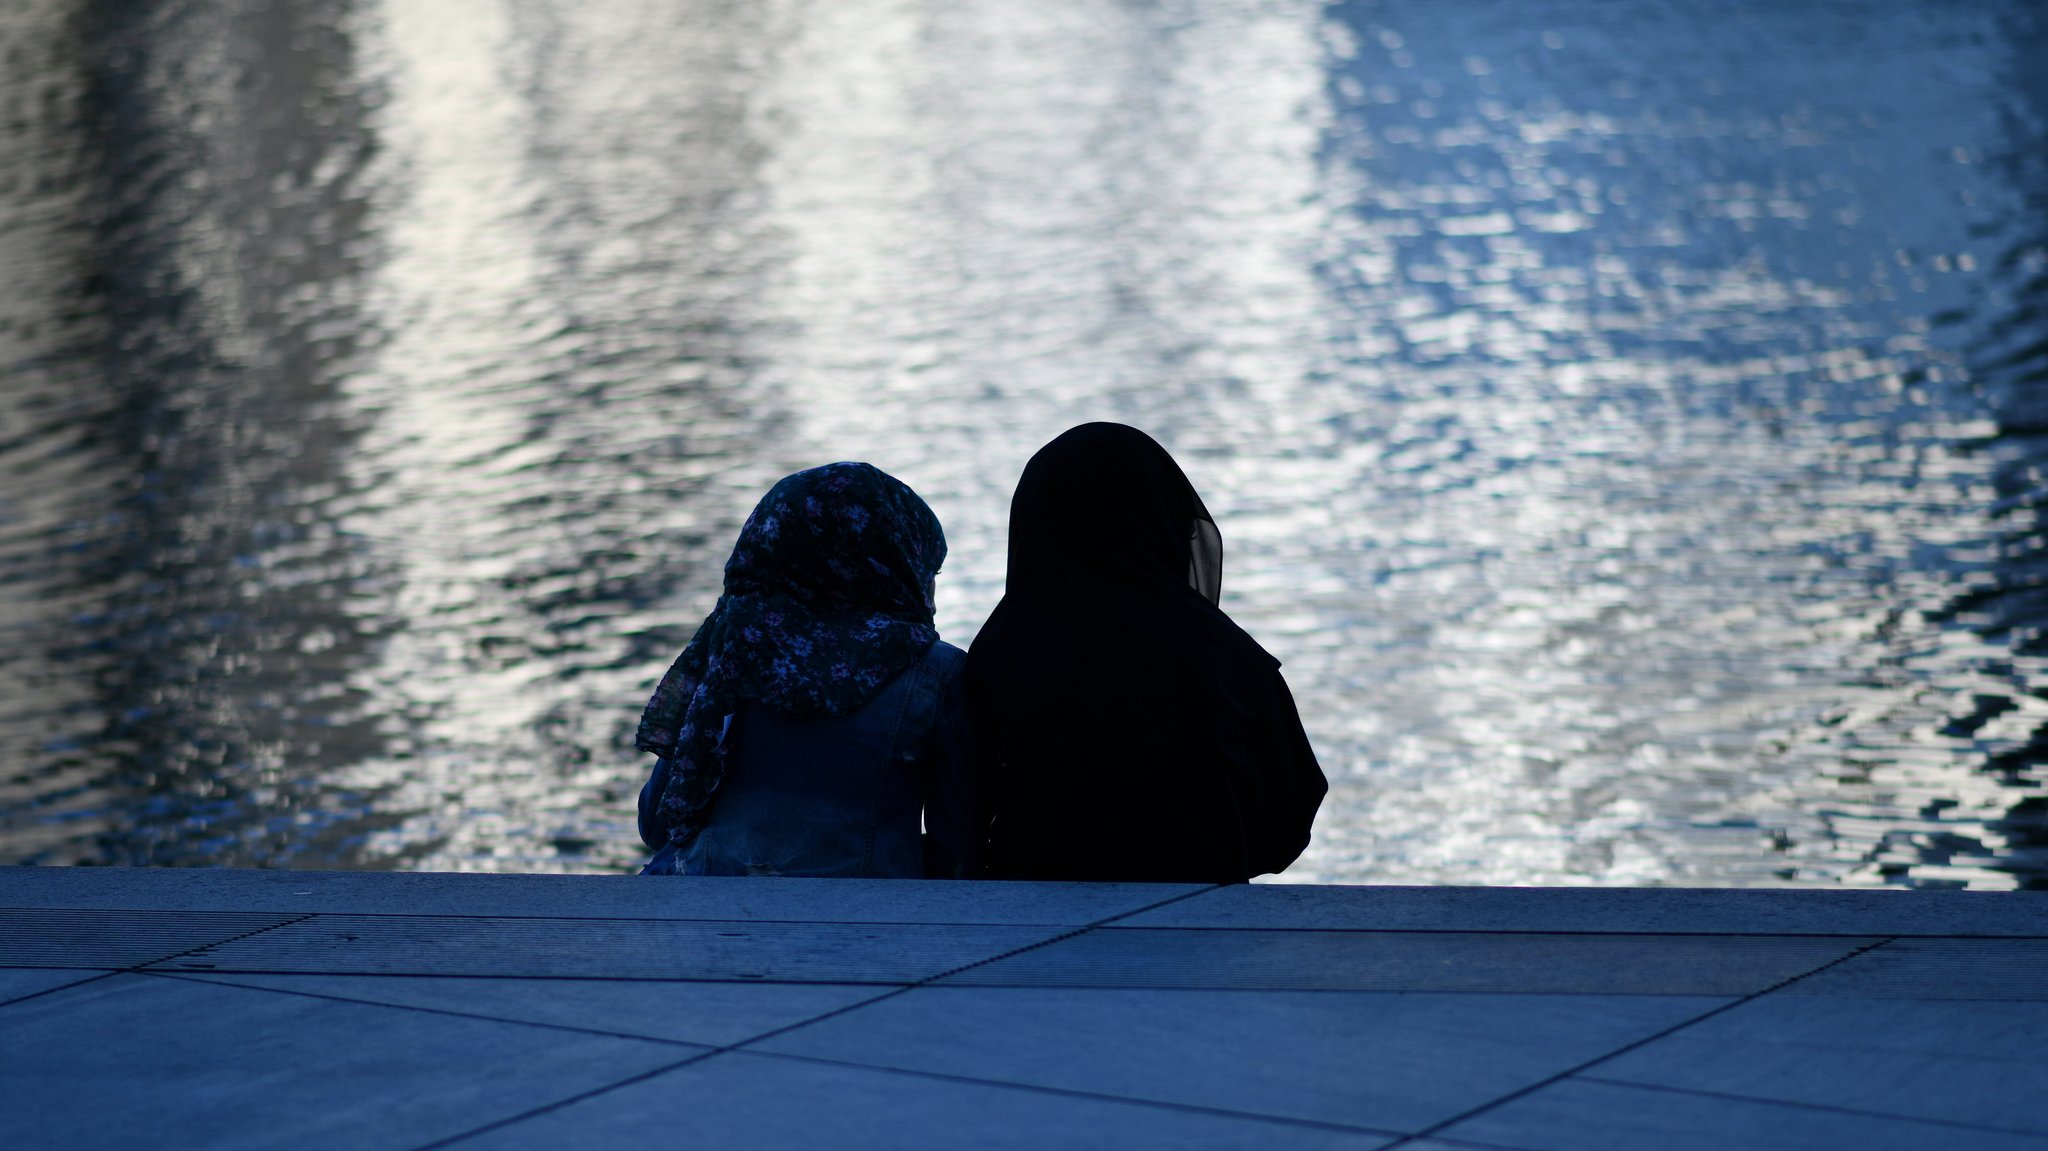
[1620, 414]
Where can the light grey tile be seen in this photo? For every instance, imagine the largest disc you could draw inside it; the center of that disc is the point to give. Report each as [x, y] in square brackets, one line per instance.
[1389, 1061]
[1669, 910]
[614, 949]
[593, 896]
[1576, 1115]
[717, 1014]
[1414, 961]
[2015, 969]
[140, 1061]
[62, 937]
[768, 1104]
[16, 982]
[1958, 1061]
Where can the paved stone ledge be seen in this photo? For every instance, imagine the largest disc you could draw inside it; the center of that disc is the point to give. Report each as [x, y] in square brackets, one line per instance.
[197, 1008]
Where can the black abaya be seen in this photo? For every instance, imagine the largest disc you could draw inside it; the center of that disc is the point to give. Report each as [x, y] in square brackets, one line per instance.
[1129, 730]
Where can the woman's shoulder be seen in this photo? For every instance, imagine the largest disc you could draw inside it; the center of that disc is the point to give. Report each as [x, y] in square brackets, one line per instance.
[944, 660]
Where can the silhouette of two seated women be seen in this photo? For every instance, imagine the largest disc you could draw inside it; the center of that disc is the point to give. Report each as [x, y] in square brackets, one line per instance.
[1110, 723]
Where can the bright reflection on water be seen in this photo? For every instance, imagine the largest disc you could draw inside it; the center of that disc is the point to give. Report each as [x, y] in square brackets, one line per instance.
[1621, 413]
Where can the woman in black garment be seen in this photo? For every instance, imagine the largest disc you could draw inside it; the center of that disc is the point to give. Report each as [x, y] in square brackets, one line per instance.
[1126, 729]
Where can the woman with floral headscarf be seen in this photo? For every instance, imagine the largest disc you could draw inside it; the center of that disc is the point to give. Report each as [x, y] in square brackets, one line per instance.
[817, 718]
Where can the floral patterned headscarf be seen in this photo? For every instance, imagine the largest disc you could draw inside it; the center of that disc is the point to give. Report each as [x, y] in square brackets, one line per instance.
[828, 595]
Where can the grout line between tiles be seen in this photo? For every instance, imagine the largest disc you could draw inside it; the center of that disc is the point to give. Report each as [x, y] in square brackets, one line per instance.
[1583, 932]
[1805, 1106]
[778, 1031]
[1447, 1141]
[79, 982]
[1075, 1093]
[220, 981]
[1726, 933]
[141, 968]
[540, 976]
[1442, 1124]
[494, 915]
[1402, 987]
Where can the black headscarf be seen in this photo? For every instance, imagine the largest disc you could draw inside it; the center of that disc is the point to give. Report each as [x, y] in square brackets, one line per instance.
[828, 596]
[1129, 729]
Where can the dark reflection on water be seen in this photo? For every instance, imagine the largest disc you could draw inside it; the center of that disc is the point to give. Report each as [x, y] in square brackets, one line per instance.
[2003, 334]
[195, 605]
[1624, 415]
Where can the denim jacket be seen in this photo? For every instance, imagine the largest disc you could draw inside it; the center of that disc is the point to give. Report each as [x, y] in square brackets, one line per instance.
[883, 792]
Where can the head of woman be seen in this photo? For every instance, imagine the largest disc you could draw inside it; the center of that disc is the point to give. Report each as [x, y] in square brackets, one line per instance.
[828, 596]
[846, 544]
[1106, 501]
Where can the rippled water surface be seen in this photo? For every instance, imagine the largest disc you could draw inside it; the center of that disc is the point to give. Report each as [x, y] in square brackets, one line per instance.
[1626, 418]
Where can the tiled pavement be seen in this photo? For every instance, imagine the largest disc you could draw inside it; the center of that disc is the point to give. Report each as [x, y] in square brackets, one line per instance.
[179, 1008]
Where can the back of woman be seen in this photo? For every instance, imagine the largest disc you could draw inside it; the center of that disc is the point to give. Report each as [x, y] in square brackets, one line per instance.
[1127, 729]
[816, 725]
